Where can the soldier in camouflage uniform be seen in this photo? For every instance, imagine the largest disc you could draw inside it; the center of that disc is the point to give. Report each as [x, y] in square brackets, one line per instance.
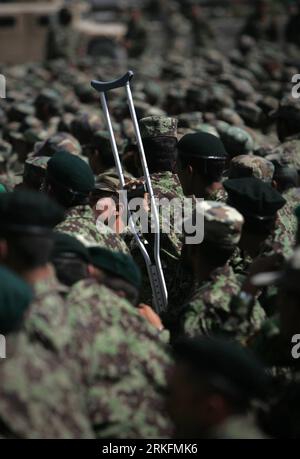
[38, 398]
[207, 311]
[119, 364]
[207, 370]
[27, 219]
[200, 164]
[259, 203]
[69, 180]
[159, 140]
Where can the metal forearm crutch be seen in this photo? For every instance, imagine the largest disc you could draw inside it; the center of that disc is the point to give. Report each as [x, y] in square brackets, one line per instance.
[154, 268]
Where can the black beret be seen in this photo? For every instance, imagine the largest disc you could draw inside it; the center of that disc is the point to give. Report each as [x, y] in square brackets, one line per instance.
[253, 197]
[71, 171]
[226, 361]
[66, 244]
[15, 297]
[28, 211]
[117, 263]
[202, 145]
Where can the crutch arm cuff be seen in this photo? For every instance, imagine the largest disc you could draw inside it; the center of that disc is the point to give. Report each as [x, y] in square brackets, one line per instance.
[102, 86]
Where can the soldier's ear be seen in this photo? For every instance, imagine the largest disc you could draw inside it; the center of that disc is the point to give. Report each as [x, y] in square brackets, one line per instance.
[190, 170]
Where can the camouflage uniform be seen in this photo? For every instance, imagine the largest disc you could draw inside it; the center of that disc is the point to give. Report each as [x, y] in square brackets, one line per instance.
[165, 185]
[47, 318]
[38, 398]
[120, 362]
[80, 222]
[208, 311]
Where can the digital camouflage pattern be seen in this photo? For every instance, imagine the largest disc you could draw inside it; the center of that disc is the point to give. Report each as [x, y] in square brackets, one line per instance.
[165, 186]
[120, 364]
[80, 222]
[222, 224]
[47, 318]
[38, 399]
[237, 141]
[251, 166]
[208, 312]
[158, 126]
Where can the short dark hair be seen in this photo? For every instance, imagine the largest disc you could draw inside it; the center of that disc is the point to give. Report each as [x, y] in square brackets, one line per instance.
[64, 196]
[160, 153]
[210, 170]
[30, 251]
[70, 269]
[260, 227]
[116, 283]
[217, 254]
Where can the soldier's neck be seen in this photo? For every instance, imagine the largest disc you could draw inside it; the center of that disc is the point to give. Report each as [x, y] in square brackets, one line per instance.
[38, 274]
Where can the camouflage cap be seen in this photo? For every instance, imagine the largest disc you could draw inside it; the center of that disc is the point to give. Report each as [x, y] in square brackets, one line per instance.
[208, 128]
[84, 126]
[158, 126]
[251, 166]
[237, 141]
[289, 109]
[37, 163]
[222, 224]
[107, 182]
[60, 141]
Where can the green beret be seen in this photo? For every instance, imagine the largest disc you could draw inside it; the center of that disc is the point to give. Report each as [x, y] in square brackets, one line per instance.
[15, 297]
[253, 197]
[28, 211]
[117, 263]
[226, 365]
[64, 244]
[71, 171]
[202, 145]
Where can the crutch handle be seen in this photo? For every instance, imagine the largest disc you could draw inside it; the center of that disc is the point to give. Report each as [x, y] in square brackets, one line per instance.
[102, 86]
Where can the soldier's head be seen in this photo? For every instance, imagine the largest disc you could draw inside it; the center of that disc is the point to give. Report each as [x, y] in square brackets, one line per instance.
[286, 176]
[221, 234]
[106, 203]
[251, 166]
[99, 153]
[26, 238]
[288, 304]
[211, 381]
[57, 142]
[84, 126]
[69, 179]
[15, 298]
[70, 259]
[65, 17]
[259, 203]
[287, 118]
[116, 271]
[47, 104]
[159, 135]
[237, 141]
[34, 173]
[201, 162]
